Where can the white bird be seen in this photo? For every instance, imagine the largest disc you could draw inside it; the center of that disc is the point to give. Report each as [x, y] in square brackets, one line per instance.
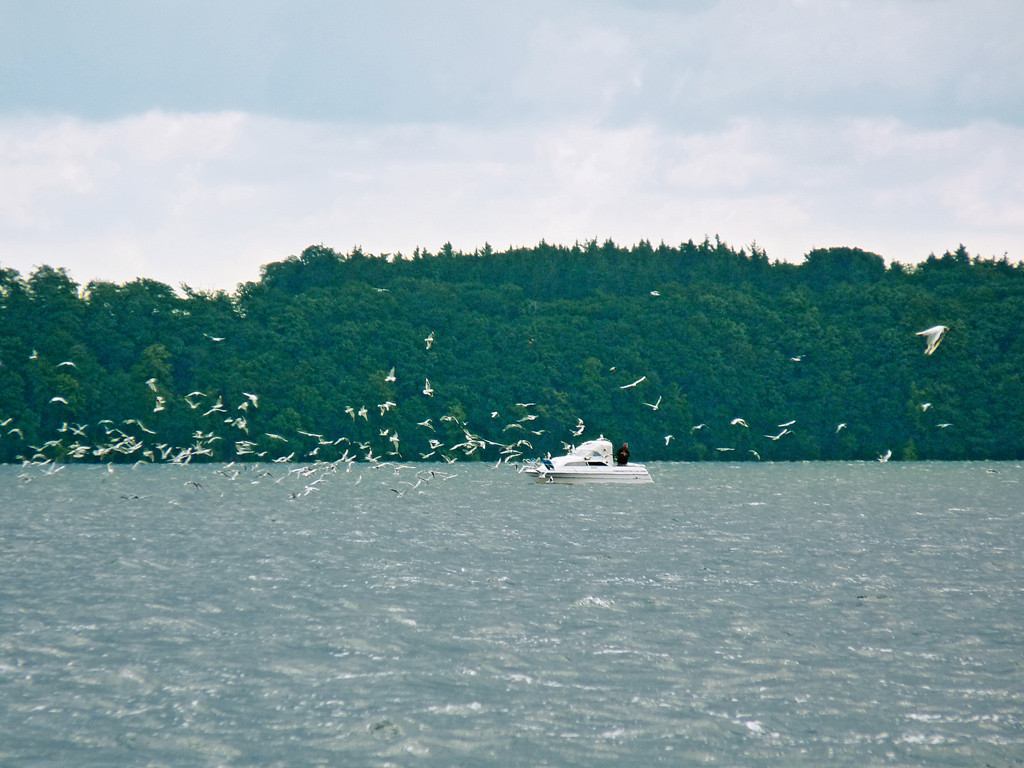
[739, 422]
[391, 375]
[578, 429]
[34, 355]
[925, 406]
[429, 340]
[933, 336]
[776, 437]
[668, 438]
[755, 454]
[67, 364]
[840, 427]
[213, 338]
[427, 389]
[218, 407]
[697, 427]
[885, 456]
[654, 405]
[627, 386]
[254, 399]
[789, 423]
[944, 425]
[655, 293]
[386, 406]
[151, 383]
[58, 399]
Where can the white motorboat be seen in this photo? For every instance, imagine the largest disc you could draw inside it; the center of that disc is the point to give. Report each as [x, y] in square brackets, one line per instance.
[591, 462]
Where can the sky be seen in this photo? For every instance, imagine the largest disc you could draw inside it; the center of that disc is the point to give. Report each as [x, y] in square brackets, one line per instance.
[193, 141]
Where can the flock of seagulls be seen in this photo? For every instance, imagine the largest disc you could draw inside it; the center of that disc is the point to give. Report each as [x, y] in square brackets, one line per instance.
[118, 444]
[131, 439]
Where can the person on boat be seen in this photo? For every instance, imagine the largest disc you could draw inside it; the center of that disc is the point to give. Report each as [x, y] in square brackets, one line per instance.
[622, 455]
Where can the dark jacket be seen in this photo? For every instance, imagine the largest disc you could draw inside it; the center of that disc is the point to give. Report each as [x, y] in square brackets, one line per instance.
[622, 455]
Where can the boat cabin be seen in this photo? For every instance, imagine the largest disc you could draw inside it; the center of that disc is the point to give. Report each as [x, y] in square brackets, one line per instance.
[592, 453]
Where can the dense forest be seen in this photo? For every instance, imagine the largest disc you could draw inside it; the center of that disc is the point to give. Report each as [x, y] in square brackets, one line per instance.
[690, 352]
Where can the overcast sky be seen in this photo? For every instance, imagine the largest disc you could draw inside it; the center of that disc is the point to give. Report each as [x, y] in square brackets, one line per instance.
[192, 141]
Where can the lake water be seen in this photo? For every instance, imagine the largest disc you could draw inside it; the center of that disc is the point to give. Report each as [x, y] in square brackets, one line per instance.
[727, 615]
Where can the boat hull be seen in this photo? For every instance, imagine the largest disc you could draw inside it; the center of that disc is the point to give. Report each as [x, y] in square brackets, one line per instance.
[630, 473]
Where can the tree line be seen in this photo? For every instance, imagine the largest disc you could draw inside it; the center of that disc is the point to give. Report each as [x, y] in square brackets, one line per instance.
[697, 351]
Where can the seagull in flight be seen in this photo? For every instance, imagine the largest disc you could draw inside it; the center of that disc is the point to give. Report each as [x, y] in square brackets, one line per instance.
[429, 340]
[885, 456]
[933, 336]
[739, 422]
[218, 407]
[427, 389]
[628, 386]
[391, 375]
[840, 427]
[654, 406]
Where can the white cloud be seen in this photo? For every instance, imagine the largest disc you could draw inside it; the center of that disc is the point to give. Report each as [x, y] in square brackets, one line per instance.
[206, 199]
